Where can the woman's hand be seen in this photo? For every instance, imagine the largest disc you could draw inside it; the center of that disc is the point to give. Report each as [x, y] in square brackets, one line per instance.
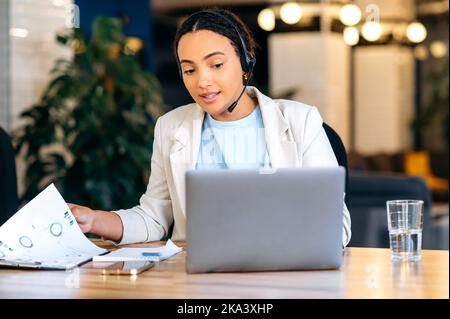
[103, 223]
[84, 216]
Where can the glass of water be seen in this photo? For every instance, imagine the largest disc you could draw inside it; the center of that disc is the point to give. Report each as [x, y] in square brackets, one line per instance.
[405, 223]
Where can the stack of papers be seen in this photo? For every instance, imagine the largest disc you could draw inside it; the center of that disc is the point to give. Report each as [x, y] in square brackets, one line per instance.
[45, 235]
[141, 254]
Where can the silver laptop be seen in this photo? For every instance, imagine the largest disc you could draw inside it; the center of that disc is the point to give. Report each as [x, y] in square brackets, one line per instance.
[263, 220]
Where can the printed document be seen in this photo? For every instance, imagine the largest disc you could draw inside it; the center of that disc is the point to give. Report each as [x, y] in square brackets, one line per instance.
[45, 235]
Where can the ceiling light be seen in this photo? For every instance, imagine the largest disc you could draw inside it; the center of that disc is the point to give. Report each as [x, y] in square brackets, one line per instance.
[416, 32]
[350, 14]
[291, 12]
[266, 19]
[351, 36]
[421, 52]
[371, 31]
[438, 49]
[18, 32]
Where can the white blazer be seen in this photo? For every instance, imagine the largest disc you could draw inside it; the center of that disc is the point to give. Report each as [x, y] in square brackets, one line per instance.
[294, 137]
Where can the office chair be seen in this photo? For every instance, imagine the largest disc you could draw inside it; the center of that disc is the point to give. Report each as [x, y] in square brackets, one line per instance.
[366, 202]
[338, 149]
[9, 201]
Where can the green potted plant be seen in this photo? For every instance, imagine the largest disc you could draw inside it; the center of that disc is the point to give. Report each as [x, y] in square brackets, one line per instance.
[91, 133]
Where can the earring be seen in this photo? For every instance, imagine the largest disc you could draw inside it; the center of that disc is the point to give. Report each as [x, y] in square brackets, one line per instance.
[245, 76]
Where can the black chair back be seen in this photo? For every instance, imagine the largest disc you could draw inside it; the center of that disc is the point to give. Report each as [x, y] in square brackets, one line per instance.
[338, 149]
[9, 201]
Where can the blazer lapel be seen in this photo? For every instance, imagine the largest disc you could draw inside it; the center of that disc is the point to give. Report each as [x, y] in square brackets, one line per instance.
[280, 143]
[184, 151]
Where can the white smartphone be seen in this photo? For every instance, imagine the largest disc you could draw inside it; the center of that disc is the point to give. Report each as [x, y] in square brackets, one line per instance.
[126, 267]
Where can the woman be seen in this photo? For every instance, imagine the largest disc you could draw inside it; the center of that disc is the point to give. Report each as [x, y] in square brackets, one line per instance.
[215, 52]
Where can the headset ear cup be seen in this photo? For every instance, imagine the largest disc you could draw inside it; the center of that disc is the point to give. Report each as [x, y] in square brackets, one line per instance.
[245, 63]
[250, 64]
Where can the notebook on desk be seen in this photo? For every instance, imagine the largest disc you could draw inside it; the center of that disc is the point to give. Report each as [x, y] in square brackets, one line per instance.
[154, 254]
[252, 220]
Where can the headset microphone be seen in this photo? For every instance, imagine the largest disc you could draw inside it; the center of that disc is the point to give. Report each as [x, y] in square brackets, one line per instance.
[234, 104]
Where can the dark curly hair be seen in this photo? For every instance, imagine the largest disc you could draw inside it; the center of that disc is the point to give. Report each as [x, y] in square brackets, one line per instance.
[209, 20]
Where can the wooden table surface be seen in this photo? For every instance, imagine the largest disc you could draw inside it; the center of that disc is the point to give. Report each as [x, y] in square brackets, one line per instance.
[365, 273]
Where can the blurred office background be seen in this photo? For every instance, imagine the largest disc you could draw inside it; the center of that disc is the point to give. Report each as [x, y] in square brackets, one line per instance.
[376, 69]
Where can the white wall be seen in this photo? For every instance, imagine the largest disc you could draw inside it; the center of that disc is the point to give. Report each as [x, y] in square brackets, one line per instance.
[318, 65]
[384, 98]
[4, 64]
[33, 56]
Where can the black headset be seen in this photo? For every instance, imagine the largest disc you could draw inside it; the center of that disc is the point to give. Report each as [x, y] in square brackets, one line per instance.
[247, 61]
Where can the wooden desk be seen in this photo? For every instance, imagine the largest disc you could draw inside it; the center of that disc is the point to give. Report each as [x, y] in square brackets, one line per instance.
[365, 273]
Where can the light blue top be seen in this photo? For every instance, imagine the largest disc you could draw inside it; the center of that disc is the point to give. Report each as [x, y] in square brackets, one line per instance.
[235, 144]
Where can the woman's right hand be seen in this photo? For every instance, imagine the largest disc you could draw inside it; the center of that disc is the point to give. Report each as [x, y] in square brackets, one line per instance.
[103, 223]
[84, 216]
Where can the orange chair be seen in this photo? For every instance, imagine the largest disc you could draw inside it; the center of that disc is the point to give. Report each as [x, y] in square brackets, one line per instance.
[417, 163]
